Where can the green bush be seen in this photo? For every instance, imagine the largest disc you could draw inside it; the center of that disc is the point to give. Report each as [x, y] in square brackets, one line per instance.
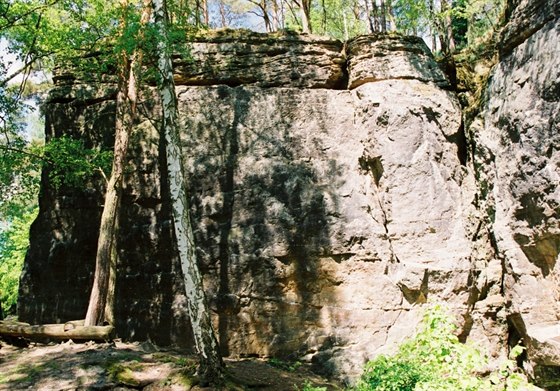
[435, 359]
[390, 374]
[308, 386]
[14, 241]
[71, 163]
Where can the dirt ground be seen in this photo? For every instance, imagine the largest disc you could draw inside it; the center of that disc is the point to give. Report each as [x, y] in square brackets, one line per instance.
[134, 366]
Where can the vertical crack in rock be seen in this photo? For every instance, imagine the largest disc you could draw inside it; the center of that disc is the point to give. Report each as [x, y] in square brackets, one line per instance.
[374, 167]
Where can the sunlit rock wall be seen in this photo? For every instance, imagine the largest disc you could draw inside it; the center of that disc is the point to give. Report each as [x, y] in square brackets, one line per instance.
[333, 190]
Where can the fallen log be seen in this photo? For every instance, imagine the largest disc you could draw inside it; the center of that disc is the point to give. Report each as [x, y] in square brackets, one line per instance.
[74, 330]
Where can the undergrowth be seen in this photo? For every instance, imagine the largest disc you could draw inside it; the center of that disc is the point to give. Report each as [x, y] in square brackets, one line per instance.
[435, 359]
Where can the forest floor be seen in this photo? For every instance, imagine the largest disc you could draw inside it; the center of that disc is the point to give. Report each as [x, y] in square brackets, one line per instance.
[135, 366]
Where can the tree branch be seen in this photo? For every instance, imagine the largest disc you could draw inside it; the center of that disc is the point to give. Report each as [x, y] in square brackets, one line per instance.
[23, 152]
[13, 23]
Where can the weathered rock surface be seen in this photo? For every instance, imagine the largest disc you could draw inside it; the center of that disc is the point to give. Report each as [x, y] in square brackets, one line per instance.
[266, 60]
[517, 160]
[526, 17]
[326, 217]
[378, 57]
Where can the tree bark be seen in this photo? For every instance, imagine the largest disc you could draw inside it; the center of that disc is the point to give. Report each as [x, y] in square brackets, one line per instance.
[433, 31]
[376, 17]
[222, 8]
[71, 330]
[101, 302]
[266, 17]
[206, 12]
[276, 16]
[383, 13]
[305, 8]
[211, 364]
[105, 260]
[371, 29]
[446, 34]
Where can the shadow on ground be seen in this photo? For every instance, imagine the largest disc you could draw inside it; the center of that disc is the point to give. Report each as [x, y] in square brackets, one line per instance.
[134, 366]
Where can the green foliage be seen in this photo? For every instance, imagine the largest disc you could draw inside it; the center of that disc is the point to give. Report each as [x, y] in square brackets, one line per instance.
[56, 31]
[385, 374]
[71, 164]
[284, 365]
[337, 18]
[20, 160]
[435, 360]
[14, 241]
[482, 17]
[308, 386]
[412, 17]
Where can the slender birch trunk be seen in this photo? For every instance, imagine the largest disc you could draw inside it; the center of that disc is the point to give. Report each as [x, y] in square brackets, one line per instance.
[211, 365]
[102, 297]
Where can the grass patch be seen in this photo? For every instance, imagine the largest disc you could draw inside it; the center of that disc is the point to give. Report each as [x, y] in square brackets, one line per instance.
[284, 365]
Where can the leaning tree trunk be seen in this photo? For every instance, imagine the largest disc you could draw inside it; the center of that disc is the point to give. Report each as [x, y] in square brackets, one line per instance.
[211, 364]
[105, 260]
[101, 302]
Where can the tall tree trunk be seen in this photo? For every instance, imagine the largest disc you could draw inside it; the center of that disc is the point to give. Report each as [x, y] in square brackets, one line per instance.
[305, 8]
[266, 16]
[206, 12]
[101, 302]
[222, 8]
[369, 17]
[211, 365]
[276, 24]
[383, 13]
[105, 260]
[375, 16]
[197, 13]
[446, 34]
[101, 297]
[433, 30]
[324, 17]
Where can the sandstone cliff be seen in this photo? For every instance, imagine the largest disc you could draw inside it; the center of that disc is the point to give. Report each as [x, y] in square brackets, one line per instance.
[335, 191]
[516, 140]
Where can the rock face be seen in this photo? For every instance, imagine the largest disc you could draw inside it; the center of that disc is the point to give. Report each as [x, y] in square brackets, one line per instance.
[334, 194]
[517, 161]
[242, 57]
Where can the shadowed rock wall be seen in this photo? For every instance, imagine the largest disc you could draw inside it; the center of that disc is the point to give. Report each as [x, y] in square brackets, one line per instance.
[333, 190]
[516, 139]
